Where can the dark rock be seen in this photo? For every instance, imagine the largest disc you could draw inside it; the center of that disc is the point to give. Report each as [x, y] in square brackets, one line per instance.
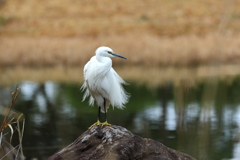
[116, 143]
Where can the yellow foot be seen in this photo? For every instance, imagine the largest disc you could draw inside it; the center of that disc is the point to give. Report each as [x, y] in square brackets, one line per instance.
[94, 124]
[105, 124]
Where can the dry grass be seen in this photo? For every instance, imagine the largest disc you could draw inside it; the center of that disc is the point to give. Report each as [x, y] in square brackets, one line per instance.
[7, 151]
[140, 50]
[66, 32]
[67, 18]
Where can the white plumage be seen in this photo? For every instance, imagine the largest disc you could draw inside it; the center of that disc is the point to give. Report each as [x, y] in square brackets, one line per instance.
[102, 82]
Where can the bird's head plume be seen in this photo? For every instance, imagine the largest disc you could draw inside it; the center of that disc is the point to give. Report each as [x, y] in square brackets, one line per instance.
[107, 52]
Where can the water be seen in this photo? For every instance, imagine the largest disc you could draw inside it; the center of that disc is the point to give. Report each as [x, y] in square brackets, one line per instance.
[201, 119]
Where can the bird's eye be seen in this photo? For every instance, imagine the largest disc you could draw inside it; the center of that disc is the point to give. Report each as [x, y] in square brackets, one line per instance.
[109, 52]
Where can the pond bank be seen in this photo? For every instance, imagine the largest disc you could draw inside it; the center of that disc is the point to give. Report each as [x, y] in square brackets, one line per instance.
[153, 76]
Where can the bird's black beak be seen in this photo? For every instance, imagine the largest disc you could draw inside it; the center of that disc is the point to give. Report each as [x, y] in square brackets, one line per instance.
[117, 55]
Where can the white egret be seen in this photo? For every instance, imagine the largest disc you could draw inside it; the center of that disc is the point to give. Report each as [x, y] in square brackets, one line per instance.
[103, 84]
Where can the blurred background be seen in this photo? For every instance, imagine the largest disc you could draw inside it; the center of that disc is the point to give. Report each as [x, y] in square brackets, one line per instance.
[183, 71]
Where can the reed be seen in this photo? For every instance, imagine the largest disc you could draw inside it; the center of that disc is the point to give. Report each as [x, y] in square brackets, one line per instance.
[15, 123]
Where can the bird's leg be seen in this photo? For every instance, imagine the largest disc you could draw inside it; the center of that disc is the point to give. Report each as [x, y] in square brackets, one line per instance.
[98, 119]
[104, 103]
[99, 113]
[105, 110]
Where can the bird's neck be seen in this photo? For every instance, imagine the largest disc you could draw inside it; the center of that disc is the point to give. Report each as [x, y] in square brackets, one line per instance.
[102, 59]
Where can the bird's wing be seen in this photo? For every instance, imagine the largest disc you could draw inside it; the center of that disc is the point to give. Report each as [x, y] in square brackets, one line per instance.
[88, 65]
[85, 69]
[85, 86]
[118, 78]
[91, 100]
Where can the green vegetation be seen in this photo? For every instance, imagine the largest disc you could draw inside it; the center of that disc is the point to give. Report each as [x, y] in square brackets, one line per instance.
[3, 21]
[64, 117]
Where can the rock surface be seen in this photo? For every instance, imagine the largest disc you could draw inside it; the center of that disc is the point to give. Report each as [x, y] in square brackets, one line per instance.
[116, 143]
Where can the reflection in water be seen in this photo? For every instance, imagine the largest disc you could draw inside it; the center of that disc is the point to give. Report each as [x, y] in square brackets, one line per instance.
[202, 121]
